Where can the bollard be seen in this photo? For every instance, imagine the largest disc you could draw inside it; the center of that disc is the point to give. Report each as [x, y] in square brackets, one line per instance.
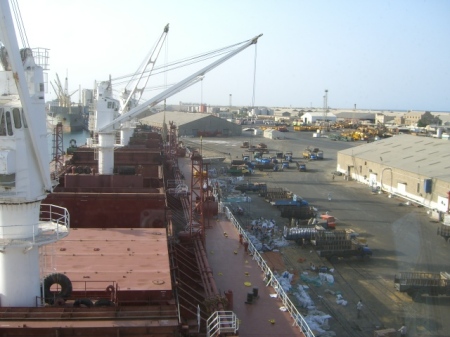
[229, 297]
[249, 298]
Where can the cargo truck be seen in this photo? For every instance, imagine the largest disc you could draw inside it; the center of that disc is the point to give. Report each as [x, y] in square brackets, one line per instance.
[416, 284]
[329, 244]
[251, 187]
[444, 231]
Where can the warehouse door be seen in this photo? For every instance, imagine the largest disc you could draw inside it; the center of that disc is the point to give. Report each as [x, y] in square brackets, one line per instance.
[401, 188]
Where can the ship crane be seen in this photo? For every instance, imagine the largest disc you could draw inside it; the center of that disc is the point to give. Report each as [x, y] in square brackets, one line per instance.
[64, 98]
[24, 171]
[106, 108]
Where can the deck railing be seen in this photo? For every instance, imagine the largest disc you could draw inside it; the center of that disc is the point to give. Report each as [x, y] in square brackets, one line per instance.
[270, 278]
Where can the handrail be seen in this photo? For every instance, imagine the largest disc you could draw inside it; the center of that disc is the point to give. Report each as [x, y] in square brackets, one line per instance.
[54, 224]
[269, 276]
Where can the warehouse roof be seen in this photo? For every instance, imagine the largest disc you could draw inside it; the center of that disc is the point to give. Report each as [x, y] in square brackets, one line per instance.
[319, 114]
[355, 115]
[421, 155]
[178, 117]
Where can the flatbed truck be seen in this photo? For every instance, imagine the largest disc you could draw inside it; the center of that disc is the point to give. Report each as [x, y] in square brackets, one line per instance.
[416, 284]
[329, 244]
[357, 250]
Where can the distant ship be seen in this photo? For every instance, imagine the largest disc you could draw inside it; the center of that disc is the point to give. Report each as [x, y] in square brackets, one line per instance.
[73, 118]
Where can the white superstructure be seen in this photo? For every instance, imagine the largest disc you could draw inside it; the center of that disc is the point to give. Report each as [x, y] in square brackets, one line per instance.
[24, 172]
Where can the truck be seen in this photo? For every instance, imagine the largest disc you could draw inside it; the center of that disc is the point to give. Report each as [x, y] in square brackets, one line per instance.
[293, 202]
[306, 154]
[444, 231]
[327, 221]
[339, 244]
[251, 187]
[312, 154]
[241, 170]
[288, 156]
[328, 244]
[301, 167]
[301, 212]
[416, 284]
[273, 193]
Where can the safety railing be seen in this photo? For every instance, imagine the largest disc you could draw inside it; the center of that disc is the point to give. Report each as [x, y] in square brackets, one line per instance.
[270, 278]
[221, 322]
[53, 224]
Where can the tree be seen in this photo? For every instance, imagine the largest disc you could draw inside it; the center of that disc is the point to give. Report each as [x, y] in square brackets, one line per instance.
[427, 119]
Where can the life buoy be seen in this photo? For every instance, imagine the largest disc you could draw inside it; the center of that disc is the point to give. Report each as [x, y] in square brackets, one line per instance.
[83, 302]
[65, 284]
[110, 289]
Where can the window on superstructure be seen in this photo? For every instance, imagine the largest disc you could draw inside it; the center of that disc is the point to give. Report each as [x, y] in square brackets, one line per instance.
[9, 127]
[2, 123]
[17, 119]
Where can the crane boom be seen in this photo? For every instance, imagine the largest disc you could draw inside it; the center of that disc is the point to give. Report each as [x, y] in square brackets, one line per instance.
[135, 112]
[150, 61]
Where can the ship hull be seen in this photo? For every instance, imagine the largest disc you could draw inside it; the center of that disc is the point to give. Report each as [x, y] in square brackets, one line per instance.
[72, 120]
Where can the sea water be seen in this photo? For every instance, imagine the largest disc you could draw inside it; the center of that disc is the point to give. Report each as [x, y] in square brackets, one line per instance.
[78, 138]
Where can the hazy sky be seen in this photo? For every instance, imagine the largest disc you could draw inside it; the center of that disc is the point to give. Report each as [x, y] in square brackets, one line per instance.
[376, 54]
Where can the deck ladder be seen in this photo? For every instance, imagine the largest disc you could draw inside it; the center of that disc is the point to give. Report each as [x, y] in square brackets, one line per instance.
[222, 322]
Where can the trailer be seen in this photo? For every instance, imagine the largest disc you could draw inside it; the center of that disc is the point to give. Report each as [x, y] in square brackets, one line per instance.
[251, 187]
[416, 284]
[273, 193]
[295, 202]
[239, 171]
[329, 244]
[444, 231]
[262, 167]
[355, 251]
[301, 212]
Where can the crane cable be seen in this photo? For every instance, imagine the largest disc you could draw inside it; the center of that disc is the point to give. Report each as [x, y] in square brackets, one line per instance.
[185, 62]
[19, 22]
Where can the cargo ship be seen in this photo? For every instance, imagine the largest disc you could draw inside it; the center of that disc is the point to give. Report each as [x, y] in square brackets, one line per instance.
[116, 244]
[73, 119]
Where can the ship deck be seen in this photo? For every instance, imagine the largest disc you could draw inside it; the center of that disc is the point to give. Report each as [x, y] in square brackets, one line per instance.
[238, 271]
[233, 267]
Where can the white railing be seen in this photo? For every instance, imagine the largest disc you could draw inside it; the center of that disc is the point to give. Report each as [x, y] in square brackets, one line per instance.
[269, 276]
[53, 225]
[222, 322]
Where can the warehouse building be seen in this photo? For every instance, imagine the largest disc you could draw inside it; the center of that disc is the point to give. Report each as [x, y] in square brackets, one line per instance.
[415, 168]
[194, 124]
[311, 118]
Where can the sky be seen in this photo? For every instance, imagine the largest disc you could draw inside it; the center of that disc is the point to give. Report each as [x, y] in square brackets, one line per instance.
[375, 54]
